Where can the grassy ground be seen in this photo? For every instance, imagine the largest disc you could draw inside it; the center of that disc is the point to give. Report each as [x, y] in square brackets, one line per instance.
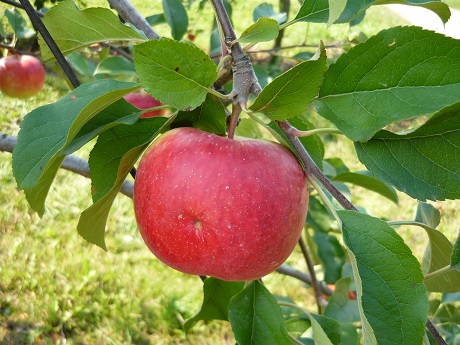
[57, 289]
[453, 3]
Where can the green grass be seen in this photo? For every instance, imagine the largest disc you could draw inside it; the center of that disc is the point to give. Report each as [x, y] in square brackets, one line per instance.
[453, 3]
[55, 288]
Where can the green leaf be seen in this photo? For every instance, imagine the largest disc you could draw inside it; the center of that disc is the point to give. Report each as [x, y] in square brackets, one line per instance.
[110, 162]
[73, 29]
[120, 112]
[363, 91]
[115, 65]
[336, 8]
[325, 329]
[210, 117]
[317, 217]
[339, 306]
[389, 281]
[2, 30]
[437, 256]
[424, 163]
[80, 64]
[175, 73]
[265, 29]
[297, 322]
[455, 257]
[177, 18]
[427, 214]
[436, 6]
[156, 19]
[355, 9]
[291, 93]
[363, 179]
[249, 128]
[348, 334]
[266, 10]
[314, 11]
[318, 11]
[18, 24]
[256, 317]
[331, 254]
[217, 294]
[46, 132]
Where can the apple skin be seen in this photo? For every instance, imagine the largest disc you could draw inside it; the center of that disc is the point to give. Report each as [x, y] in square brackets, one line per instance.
[21, 76]
[144, 101]
[228, 208]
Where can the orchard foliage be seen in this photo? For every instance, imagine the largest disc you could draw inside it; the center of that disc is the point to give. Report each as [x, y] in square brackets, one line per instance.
[402, 73]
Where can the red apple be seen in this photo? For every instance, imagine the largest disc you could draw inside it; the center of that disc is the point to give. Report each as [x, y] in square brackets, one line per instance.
[21, 76]
[144, 101]
[229, 208]
[191, 37]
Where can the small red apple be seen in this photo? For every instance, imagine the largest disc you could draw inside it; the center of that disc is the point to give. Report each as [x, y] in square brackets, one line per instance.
[21, 76]
[191, 37]
[229, 208]
[144, 101]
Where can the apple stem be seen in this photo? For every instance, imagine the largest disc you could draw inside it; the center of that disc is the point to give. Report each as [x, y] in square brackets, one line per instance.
[244, 79]
[10, 49]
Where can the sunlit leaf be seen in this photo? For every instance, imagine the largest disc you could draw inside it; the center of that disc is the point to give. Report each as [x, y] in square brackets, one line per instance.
[365, 180]
[427, 214]
[397, 74]
[438, 255]
[115, 65]
[340, 307]
[73, 29]
[176, 73]
[111, 160]
[46, 132]
[210, 117]
[455, 257]
[290, 94]
[265, 29]
[389, 281]
[424, 163]
[256, 317]
[336, 7]
[266, 10]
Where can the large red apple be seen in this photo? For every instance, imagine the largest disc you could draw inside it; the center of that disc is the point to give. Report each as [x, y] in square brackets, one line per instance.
[229, 208]
[21, 76]
[144, 101]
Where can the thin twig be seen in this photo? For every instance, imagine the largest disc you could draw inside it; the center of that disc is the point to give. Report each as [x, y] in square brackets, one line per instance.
[38, 24]
[311, 167]
[434, 332]
[131, 15]
[303, 45]
[303, 277]
[118, 50]
[71, 163]
[320, 302]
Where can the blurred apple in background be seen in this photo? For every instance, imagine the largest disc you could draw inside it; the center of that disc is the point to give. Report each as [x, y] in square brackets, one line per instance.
[143, 101]
[21, 76]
